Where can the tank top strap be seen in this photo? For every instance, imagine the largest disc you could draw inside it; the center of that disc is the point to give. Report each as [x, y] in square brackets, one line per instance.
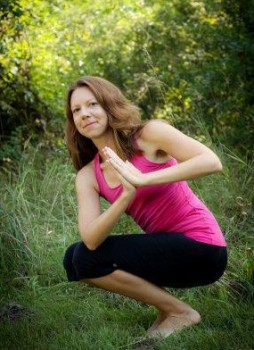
[97, 169]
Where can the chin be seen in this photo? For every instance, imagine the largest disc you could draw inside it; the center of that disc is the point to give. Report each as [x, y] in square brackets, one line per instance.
[93, 134]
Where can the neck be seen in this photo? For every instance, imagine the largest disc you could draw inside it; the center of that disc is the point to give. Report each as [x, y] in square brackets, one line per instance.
[103, 141]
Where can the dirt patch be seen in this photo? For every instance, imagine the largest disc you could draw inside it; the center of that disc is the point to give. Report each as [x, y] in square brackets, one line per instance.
[147, 344]
[14, 311]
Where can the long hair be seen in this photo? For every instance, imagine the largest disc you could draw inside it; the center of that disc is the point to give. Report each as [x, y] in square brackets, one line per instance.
[123, 118]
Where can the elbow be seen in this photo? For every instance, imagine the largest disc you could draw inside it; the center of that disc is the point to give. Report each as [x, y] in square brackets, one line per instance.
[217, 165]
[213, 163]
[220, 167]
[86, 239]
[90, 245]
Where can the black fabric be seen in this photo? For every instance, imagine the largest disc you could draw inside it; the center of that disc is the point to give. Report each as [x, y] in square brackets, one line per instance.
[165, 259]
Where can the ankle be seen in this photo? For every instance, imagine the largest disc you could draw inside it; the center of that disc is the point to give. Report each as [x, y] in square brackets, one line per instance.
[176, 309]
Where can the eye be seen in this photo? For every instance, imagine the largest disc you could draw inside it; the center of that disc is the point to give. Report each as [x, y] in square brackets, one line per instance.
[75, 110]
[94, 104]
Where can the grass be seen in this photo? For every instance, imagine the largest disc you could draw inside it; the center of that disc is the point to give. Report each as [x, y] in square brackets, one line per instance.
[40, 310]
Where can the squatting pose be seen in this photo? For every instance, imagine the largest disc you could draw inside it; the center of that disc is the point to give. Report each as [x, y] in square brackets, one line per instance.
[141, 169]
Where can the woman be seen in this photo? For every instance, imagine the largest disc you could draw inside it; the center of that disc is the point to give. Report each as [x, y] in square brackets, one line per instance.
[141, 170]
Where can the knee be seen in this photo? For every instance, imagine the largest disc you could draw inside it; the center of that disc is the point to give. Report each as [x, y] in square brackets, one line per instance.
[68, 256]
[90, 263]
[68, 263]
[82, 258]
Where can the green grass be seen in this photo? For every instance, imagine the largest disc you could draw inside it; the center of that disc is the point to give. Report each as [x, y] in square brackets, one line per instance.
[38, 222]
[81, 317]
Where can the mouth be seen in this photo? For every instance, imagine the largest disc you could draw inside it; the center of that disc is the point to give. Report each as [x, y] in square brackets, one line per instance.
[90, 124]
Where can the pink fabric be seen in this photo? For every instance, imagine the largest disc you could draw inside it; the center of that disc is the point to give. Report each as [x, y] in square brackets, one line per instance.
[171, 207]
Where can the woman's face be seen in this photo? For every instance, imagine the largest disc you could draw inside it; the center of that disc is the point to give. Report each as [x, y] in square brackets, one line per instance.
[89, 117]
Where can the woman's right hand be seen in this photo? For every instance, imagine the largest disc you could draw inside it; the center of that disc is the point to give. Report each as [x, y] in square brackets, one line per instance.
[127, 171]
[128, 188]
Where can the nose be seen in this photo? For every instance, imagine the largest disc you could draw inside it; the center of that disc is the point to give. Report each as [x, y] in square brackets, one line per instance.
[85, 113]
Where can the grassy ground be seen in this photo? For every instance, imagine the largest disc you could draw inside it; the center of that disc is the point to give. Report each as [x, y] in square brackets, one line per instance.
[40, 310]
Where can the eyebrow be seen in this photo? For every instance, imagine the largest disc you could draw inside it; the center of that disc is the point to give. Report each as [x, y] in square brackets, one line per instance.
[89, 100]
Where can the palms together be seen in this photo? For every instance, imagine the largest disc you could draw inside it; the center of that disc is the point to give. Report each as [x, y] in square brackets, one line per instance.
[125, 170]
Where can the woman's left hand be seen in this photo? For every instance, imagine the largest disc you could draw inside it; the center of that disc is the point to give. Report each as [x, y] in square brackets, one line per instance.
[126, 169]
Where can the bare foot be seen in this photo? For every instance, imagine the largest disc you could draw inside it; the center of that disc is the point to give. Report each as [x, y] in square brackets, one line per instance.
[161, 317]
[175, 323]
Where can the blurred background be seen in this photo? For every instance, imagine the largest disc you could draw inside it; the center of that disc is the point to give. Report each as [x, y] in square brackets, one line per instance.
[178, 60]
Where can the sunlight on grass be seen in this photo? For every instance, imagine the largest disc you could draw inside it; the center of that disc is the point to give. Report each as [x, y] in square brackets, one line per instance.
[39, 222]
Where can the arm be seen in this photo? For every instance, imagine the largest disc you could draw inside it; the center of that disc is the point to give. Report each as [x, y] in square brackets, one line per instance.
[195, 159]
[94, 226]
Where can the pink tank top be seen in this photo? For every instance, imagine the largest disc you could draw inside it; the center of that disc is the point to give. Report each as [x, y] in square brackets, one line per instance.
[170, 207]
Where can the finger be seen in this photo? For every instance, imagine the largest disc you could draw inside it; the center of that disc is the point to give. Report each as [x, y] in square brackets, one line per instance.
[117, 160]
[123, 171]
[126, 183]
[123, 167]
[105, 153]
[111, 153]
[115, 164]
[133, 168]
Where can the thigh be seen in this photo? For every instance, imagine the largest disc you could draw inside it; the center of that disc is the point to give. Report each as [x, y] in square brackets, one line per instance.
[166, 259]
[169, 259]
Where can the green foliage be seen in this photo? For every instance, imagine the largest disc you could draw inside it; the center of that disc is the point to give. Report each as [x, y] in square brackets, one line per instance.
[174, 59]
[23, 114]
[203, 60]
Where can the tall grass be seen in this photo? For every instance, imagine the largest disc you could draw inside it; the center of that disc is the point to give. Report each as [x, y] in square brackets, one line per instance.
[38, 212]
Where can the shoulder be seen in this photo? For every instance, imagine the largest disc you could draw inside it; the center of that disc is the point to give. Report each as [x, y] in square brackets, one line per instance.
[86, 177]
[153, 132]
[149, 140]
[153, 129]
[159, 136]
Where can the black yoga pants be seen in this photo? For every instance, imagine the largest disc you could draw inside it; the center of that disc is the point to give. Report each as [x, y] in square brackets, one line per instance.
[165, 259]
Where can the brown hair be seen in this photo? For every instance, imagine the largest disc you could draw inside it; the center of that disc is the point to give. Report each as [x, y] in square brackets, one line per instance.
[124, 119]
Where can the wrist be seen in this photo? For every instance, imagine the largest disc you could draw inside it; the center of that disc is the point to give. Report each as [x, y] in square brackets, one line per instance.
[147, 179]
[128, 195]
